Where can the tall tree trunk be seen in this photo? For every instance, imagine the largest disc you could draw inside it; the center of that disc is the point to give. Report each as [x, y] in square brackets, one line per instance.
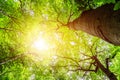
[102, 22]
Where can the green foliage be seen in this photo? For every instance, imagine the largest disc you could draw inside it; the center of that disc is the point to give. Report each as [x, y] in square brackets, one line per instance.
[22, 21]
[117, 6]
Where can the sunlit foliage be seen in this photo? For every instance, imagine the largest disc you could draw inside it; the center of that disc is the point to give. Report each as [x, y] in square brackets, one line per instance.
[23, 23]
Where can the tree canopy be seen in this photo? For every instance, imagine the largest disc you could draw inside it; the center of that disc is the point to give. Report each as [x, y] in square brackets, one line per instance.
[37, 44]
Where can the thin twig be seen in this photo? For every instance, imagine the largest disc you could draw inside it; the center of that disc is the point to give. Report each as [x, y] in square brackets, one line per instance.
[70, 59]
[84, 59]
[82, 70]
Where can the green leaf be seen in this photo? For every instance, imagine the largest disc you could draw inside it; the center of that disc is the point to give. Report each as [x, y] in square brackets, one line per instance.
[117, 6]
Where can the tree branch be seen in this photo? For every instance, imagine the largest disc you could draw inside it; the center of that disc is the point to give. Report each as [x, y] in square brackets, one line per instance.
[84, 59]
[83, 70]
[107, 63]
[69, 59]
[6, 29]
[9, 59]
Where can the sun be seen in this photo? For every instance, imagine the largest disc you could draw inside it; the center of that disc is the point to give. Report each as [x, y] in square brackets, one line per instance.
[40, 44]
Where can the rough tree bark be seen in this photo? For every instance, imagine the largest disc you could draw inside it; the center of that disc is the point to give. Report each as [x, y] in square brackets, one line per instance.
[102, 22]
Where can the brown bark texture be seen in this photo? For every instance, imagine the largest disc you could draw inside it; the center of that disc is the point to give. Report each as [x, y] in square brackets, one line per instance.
[102, 22]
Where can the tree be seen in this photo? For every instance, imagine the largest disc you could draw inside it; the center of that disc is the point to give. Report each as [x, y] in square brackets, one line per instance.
[102, 22]
[93, 60]
[69, 55]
